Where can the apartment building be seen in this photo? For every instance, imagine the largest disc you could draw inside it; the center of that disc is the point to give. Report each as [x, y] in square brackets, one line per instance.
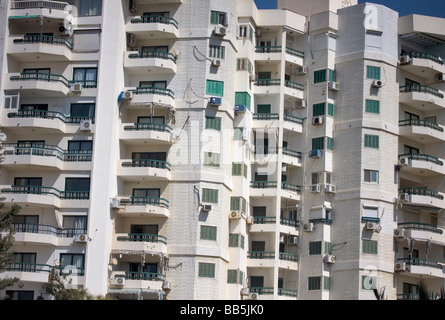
[202, 149]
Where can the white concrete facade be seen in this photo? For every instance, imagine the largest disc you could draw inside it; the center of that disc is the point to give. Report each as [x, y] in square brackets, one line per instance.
[217, 151]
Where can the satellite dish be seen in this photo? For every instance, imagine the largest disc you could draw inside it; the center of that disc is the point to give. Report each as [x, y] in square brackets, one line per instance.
[3, 137]
[114, 261]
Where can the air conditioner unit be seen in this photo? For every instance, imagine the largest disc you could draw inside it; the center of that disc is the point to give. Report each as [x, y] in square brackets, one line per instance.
[128, 95]
[399, 233]
[317, 121]
[115, 203]
[282, 239]
[302, 70]
[80, 238]
[250, 220]
[400, 266]
[440, 77]
[292, 240]
[331, 188]
[404, 197]
[252, 296]
[300, 104]
[403, 161]
[220, 31]
[315, 188]
[377, 84]
[334, 86]
[315, 153]
[206, 207]
[308, 227]
[240, 108]
[63, 31]
[329, 258]
[132, 6]
[85, 125]
[119, 281]
[167, 285]
[215, 101]
[405, 59]
[131, 40]
[235, 215]
[216, 63]
[76, 88]
[371, 225]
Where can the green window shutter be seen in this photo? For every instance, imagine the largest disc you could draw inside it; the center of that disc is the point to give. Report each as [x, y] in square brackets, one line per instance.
[214, 15]
[211, 159]
[249, 66]
[215, 88]
[314, 247]
[373, 72]
[319, 109]
[242, 98]
[329, 143]
[213, 123]
[326, 283]
[372, 106]
[330, 109]
[241, 277]
[236, 169]
[235, 203]
[208, 233]
[232, 276]
[320, 76]
[245, 171]
[206, 270]
[331, 75]
[210, 195]
[371, 141]
[238, 134]
[217, 52]
[263, 108]
[234, 240]
[314, 283]
[318, 143]
[327, 247]
[369, 246]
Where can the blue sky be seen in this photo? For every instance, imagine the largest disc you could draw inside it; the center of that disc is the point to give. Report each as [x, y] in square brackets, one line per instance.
[435, 8]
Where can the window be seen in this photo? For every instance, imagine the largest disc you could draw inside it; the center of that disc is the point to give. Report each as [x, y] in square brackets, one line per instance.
[238, 204]
[232, 276]
[371, 141]
[320, 76]
[206, 270]
[243, 64]
[370, 213]
[321, 178]
[314, 283]
[373, 38]
[208, 233]
[236, 240]
[213, 123]
[90, 8]
[238, 134]
[215, 88]
[86, 40]
[372, 106]
[371, 176]
[26, 223]
[314, 247]
[245, 31]
[75, 224]
[86, 76]
[242, 98]
[373, 72]
[319, 143]
[217, 17]
[82, 111]
[239, 169]
[369, 246]
[80, 147]
[212, 159]
[217, 52]
[210, 195]
[77, 188]
[11, 101]
[326, 283]
[319, 109]
[72, 260]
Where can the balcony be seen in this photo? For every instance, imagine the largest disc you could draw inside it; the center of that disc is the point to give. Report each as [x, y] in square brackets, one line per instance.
[153, 27]
[143, 285]
[424, 268]
[263, 188]
[423, 64]
[265, 120]
[293, 123]
[153, 133]
[422, 131]
[422, 164]
[155, 61]
[267, 53]
[151, 95]
[267, 86]
[418, 230]
[45, 121]
[17, 157]
[424, 98]
[267, 224]
[422, 197]
[46, 196]
[291, 157]
[44, 234]
[144, 206]
[47, 48]
[139, 169]
[290, 191]
[53, 9]
[138, 242]
[267, 259]
[294, 90]
[294, 56]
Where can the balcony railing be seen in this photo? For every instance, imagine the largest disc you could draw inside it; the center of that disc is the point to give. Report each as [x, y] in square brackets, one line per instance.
[292, 118]
[153, 54]
[49, 77]
[45, 114]
[45, 39]
[50, 151]
[148, 127]
[150, 276]
[271, 220]
[421, 262]
[261, 290]
[261, 254]
[422, 192]
[156, 19]
[287, 292]
[143, 237]
[265, 116]
[263, 184]
[267, 82]
[56, 5]
[288, 256]
[293, 85]
[420, 226]
[292, 153]
[290, 187]
[39, 190]
[421, 88]
[46, 229]
[420, 123]
[154, 90]
[295, 52]
[267, 49]
[147, 163]
[425, 55]
[159, 202]
[422, 157]
[36, 267]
